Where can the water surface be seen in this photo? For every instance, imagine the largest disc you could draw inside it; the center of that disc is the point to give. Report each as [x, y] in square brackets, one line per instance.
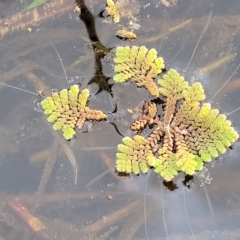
[103, 204]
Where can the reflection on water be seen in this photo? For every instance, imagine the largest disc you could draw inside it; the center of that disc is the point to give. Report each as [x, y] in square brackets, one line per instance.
[103, 205]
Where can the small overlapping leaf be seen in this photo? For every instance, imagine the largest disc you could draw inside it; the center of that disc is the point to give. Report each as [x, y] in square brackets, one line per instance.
[211, 134]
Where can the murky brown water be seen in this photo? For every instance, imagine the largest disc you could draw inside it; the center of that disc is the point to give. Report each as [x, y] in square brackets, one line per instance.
[189, 36]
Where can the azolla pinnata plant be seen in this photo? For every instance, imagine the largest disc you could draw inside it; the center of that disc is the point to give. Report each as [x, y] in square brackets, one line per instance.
[139, 65]
[148, 117]
[187, 136]
[112, 10]
[68, 110]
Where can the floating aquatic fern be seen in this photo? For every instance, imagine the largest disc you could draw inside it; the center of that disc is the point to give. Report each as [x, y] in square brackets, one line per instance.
[148, 117]
[133, 156]
[140, 65]
[112, 10]
[189, 135]
[68, 110]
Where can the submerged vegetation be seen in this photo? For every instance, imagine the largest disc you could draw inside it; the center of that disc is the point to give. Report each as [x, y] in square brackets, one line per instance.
[34, 4]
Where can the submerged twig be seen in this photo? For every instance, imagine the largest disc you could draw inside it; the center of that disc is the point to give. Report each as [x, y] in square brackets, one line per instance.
[63, 197]
[137, 220]
[68, 151]
[109, 163]
[112, 218]
[35, 81]
[35, 224]
[20, 68]
[46, 173]
[210, 67]
[89, 184]
[168, 31]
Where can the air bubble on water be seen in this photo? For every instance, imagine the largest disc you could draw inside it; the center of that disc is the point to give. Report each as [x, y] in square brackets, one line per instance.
[111, 184]
[205, 176]
[189, 183]
[77, 19]
[72, 142]
[120, 114]
[38, 108]
[147, 5]
[54, 90]
[90, 127]
[107, 20]
[70, 80]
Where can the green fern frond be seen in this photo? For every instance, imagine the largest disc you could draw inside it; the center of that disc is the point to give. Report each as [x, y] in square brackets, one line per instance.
[64, 97]
[148, 117]
[166, 166]
[171, 87]
[174, 83]
[133, 156]
[210, 135]
[125, 149]
[59, 124]
[139, 65]
[120, 78]
[186, 162]
[67, 110]
[68, 132]
[112, 10]
[191, 133]
[83, 98]
[73, 95]
[140, 140]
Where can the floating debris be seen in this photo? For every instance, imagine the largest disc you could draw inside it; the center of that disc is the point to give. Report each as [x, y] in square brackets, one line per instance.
[40, 91]
[133, 25]
[67, 110]
[124, 34]
[77, 9]
[169, 3]
[139, 65]
[189, 135]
